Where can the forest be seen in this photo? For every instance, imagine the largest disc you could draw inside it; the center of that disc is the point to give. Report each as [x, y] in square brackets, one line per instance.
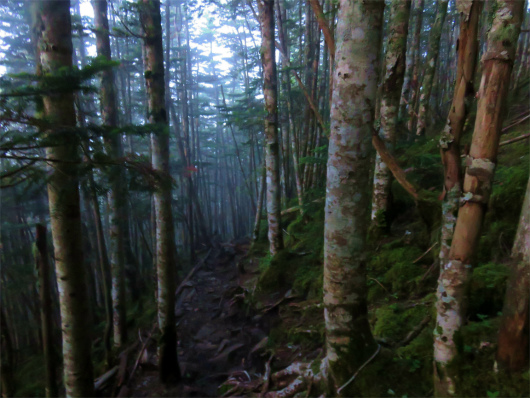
[265, 198]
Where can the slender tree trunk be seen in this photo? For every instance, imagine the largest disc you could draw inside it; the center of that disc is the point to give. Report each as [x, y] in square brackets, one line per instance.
[257, 221]
[450, 306]
[450, 139]
[104, 264]
[53, 28]
[45, 294]
[430, 65]
[117, 196]
[512, 351]
[395, 57]
[165, 235]
[349, 341]
[266, 16]
[413, 59]
[281, 14]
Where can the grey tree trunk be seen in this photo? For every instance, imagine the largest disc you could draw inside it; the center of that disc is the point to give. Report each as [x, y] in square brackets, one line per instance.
[53, 28]
[272, 148]
[117, 196]
[46, 308]
[169, 370]
[349, 341]
[430, 65]
[395, 57]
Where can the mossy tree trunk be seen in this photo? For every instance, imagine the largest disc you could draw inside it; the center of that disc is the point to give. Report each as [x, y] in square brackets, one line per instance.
[54, 32]
[512, 351]
[450, 138]
[46, 308]
[430, 66]
[450, 305]
[117, 196]
[272, 148]
[394, 64]
[165, 235]
[349, 341]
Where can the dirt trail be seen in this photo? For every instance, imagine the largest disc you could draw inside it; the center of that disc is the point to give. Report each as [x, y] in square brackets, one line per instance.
[216, 336]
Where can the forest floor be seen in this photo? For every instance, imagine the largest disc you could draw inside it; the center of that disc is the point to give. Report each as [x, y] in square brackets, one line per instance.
[218, 339]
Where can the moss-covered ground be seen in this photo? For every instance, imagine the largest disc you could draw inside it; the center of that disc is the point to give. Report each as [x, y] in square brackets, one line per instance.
[402, 272]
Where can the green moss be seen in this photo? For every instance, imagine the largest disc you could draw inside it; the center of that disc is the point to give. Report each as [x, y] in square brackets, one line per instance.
[415, 363]
[394, 321]
[393, 268]
[476, 364]
[277, 271]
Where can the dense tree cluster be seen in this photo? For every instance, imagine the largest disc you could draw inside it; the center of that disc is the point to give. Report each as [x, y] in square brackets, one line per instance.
[137, 135]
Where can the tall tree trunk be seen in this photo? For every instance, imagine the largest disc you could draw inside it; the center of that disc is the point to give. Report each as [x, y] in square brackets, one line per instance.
[165, 235]
[450, 305]
[266, 17]
[394, 62]
[412, 61]
[349, 341]
[257, 220]
[512, 351]
[430, 65]
[281, 15]
[46, 308]
[117, 196]
[53, 29]
[450, 139]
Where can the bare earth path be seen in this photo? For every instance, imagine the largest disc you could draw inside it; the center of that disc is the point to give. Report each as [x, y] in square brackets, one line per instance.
[216, 336]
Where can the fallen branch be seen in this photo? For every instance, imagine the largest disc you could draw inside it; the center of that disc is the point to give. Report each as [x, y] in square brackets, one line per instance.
[393, 166]
[101, 381]
[433, 265]
[424, 254]
[516, 139]
[144, 346]
[505, 129]
[358, 370]
[415, 332]
[192, 272]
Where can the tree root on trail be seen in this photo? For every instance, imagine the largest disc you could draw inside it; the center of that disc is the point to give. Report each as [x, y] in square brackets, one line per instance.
[292, 380]
[305, 379]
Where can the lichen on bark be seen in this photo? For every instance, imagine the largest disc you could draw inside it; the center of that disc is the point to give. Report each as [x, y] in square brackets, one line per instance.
[349, 341]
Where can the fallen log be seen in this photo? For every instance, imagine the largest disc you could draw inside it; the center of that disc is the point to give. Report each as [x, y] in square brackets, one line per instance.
[101, 382]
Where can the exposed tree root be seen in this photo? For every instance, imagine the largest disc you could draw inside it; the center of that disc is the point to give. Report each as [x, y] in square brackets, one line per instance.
[305, 379]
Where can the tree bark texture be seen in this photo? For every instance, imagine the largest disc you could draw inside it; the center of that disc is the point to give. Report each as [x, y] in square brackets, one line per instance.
[412, 61]
[165, 235]
[117, 196]
[497, 67]
[46, 308]
[53, 28]
[463, 96]
[512, 351]
[394, 64]
[272, 148]
[430, 65]
[414, 83]
[349, 341]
